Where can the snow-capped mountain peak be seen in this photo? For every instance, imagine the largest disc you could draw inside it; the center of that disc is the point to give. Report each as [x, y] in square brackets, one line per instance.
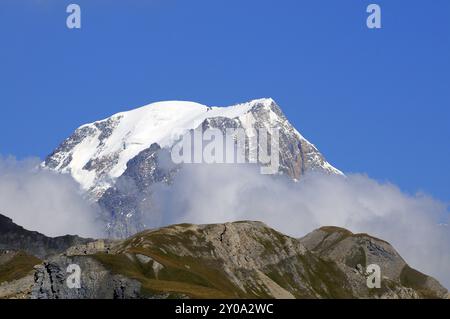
[98, 153]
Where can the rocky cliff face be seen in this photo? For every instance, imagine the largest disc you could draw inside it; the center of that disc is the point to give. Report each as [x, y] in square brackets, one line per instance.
[233, 260]
[98, 282]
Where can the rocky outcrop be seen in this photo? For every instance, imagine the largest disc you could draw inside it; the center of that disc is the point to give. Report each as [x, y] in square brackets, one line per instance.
[353, 253]
[17, 289]
[93, 247]
[97, 282]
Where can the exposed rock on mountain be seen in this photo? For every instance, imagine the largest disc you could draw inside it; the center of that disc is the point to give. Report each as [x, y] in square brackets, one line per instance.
[97, 281]
[354, 252]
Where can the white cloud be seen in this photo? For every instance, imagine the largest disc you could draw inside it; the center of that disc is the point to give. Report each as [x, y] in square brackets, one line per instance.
[43, 201]
[210, 194]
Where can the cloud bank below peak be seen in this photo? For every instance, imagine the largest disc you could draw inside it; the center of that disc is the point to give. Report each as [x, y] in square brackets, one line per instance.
[45, 201]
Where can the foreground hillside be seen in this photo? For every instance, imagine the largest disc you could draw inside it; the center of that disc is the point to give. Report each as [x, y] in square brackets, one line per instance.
[232, 260]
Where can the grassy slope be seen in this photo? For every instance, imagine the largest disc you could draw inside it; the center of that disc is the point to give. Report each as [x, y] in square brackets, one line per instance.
[181, 275]
[18, 267]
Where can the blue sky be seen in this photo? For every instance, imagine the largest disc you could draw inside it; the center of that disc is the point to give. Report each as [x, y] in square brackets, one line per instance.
[373, 101]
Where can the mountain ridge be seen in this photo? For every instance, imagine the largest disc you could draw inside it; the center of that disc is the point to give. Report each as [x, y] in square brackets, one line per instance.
[243, 259]
[34, 243]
